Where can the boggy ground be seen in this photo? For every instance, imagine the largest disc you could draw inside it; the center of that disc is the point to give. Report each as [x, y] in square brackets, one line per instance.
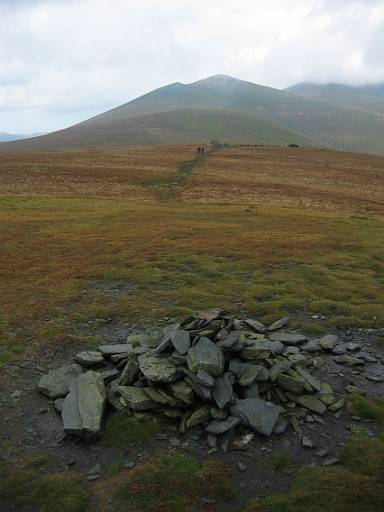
[96, 244]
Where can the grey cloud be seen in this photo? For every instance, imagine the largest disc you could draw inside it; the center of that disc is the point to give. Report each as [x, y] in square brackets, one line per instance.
[64, 60]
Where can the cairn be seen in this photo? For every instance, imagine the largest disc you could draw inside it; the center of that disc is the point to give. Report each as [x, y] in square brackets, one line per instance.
[225, 375]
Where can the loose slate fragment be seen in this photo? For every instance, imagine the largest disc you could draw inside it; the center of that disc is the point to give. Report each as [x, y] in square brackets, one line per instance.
[349, 360]
[220, 426]
[56, 383]
[312, 381]
[199, 416]
[222, 390]
[279, 324]
[182, 392]
[288, 338]
[158, 369]
[205, 355]
[136, 398]
[118, 348]
[231, 340]
[211, 314]
[181, 340]
[83, 408]
[129, 373]
[249, 375]
[291, 384]
[329, 342]
[262, 350]
[309, 402]
[256, 325]
[204, 379]
[90, 358]
[259, 415]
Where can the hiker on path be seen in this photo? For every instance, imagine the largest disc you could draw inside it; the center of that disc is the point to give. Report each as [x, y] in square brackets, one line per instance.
[199, 149]
[202, 151]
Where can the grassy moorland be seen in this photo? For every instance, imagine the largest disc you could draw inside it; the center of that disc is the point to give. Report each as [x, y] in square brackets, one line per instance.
[142, 233]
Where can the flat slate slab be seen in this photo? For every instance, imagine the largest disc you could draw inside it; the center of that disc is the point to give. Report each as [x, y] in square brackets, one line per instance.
[83, 408]
[90, 358]
[56, 383]
[158, 369]
[259, 415]
[136, 398]
[205, 355]
[288, 338]
[222, 390]
[279, 324]
[181, 340]
[118, 348]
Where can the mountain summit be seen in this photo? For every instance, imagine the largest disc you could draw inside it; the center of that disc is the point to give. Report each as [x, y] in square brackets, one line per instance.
[225, 108]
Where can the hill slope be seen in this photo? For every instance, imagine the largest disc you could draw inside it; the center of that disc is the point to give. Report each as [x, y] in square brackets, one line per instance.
[224, 107]
[369, 98]
[171, 127]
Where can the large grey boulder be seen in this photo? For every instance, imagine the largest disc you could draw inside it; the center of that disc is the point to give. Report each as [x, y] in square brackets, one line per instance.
[83, 408]
[56, 383]
[205, 355]
[259, 415]
[158, 369]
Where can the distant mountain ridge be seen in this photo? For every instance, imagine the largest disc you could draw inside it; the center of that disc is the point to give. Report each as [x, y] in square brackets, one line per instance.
[237, 111]
[7, 137]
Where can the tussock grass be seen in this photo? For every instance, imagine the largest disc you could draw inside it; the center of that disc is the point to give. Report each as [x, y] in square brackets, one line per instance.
[263, 230]
[281, 460]
[28, 487]
[176, 259]
[173, 483]
[124, 431]
[370, 408]
[355, 486]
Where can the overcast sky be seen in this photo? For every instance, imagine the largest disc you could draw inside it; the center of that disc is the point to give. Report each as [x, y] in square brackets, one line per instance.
[62, 61]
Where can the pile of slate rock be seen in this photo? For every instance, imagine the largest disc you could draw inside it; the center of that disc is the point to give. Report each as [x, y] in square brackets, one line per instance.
[225, 375]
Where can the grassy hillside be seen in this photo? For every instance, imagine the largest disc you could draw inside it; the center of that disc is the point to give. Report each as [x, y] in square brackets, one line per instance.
[223, 107]
[365, 99]
[142, 233]
[172, 127]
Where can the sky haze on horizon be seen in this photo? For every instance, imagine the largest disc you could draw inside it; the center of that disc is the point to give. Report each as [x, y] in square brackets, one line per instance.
[63, 61]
